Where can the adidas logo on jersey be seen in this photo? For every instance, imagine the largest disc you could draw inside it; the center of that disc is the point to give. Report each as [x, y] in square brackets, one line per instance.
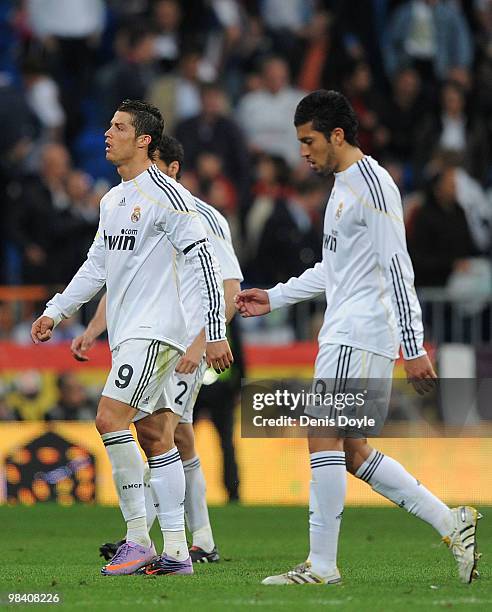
[146, 400]
[122, 202]
[124, 242]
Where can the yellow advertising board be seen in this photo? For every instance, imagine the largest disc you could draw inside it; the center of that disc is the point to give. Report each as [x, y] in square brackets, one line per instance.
[272, 471]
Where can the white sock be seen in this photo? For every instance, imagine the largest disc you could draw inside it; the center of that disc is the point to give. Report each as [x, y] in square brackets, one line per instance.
[128, 468]
[389, 478]
[168, 487]
[196, 511]
[150, 510]
[326, 501]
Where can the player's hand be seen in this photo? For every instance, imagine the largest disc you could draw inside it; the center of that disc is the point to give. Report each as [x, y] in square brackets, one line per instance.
[421, 374]
[252, 302]
[81, 344]
[42, 329]
[191, 359]
[219, 356]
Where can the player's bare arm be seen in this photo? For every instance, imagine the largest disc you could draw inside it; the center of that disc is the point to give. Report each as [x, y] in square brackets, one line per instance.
[252, 303]
[42, 329]
[97, 325]
[189, 362]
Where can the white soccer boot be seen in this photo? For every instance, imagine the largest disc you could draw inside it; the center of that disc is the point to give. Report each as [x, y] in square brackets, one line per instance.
[302, 574]
[463, 541]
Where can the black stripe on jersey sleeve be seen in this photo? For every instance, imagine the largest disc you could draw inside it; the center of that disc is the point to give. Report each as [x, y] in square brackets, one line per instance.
[192, 246]
[171, 192]
[209, 216]
[407, 302]
[370, 171]
[212, 294]
[404, 313]
[377, 205]
[208, 259]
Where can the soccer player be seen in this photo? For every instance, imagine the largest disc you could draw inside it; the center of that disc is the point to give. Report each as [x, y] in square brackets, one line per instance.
[143, 222]
[372, 310]
[190, 369]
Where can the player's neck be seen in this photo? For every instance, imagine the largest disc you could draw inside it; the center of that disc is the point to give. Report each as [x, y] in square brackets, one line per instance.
[347, 157]
[133, 168]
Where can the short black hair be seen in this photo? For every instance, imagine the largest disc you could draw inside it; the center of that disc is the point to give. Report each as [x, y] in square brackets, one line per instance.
[328, 109]
[170, 150]
[146, 119]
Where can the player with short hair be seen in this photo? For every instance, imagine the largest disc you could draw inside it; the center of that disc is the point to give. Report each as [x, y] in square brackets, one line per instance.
[372, 309]
[190, 369]
[144, 221]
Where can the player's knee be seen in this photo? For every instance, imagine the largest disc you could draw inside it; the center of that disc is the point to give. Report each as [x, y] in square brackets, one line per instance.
[104, 423]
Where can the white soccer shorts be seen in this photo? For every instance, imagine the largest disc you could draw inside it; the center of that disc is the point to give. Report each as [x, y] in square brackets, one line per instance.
[142, 376]
[342, 369]
[186, 388]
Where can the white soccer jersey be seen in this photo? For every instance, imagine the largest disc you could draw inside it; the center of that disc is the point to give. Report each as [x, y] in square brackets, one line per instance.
[143, 222]
[365, 272]
[219, 235]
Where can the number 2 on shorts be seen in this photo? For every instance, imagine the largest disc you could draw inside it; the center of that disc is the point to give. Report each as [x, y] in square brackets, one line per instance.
[177, 400]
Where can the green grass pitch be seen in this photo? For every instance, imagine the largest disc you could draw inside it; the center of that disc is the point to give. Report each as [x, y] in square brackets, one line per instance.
[388, 559]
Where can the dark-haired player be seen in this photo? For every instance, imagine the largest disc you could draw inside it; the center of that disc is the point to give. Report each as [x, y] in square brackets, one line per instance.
[143, 222]
[372, 310]
[189, 372]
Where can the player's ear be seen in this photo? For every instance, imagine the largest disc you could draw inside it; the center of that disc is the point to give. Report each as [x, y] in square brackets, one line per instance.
[337, 137]
[144, 140]
[173, 168]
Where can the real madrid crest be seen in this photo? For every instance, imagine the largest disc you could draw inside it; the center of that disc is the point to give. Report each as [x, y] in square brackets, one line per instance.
[136, 214]
[338, 214]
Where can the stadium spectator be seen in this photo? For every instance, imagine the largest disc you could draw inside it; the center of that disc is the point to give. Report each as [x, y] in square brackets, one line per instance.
[84, 215]
[266, 115]
[177, 95]
[368, 105]
[441, 238]
[287, 23]
[214, 131]
[68, 34]
[291, 237]
[328, 54]
[167, 16]
[401, 113]
[271, 181]
[73, 402]
[37, 211]
[43, 97]
[460, 132]
[433, 37]
[131, 73]
[213, 185]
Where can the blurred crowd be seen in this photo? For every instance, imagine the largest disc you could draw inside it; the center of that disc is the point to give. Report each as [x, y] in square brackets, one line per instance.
[227, 76]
